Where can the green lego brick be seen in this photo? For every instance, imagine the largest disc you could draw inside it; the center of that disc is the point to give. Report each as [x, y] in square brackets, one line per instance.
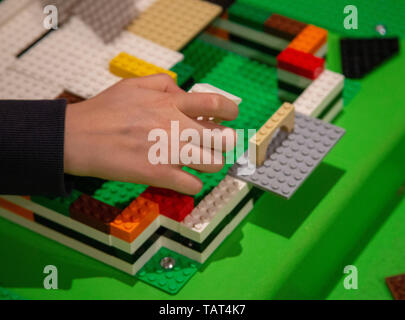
[169, 280]
[60, 204]
[8, 295]
[351, 89]
[119, 194]
[330, 15]
[184, 73]
[250, 16]
[203, 57]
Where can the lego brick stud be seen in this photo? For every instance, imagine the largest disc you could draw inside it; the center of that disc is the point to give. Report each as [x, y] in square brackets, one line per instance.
[283, 119]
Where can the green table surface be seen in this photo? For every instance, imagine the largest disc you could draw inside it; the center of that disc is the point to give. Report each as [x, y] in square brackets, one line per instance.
[284, 249]
[383, 257]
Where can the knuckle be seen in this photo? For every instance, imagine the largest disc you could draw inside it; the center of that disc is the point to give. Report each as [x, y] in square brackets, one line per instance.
[165, 78]
[129, 81]
[214, 101]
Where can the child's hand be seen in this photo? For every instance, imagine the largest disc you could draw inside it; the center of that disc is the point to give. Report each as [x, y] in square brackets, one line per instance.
[107, 136]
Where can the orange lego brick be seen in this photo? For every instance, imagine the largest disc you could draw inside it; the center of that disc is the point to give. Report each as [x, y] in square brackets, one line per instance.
[174, 23]
[126, 66]
[310, 40]
[17, 209]
[135, 219]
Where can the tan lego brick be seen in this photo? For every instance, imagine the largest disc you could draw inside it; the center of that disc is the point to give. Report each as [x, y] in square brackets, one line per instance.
[283, 119]
[174, 23]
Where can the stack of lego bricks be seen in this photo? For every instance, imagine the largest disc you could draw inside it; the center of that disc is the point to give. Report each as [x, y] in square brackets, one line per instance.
[159, 235]
[298, 49]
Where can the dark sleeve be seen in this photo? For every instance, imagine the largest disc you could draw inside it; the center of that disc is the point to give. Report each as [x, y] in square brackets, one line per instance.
[32, 135]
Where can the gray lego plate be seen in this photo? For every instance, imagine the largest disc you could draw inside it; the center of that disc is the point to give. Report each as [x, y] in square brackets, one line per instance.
[291, 158]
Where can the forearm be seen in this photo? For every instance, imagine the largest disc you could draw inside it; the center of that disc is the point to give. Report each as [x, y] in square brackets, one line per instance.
[32, 148]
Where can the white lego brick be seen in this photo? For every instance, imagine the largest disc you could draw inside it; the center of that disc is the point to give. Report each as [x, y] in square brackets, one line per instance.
[19, 32]
[259, 37]
[227, 231]
[71, 57]
[203, 256]
[7, 59]
[10, 8]
[293, 79]
[81, 247]
[145, 49]
[207, 88]
[198, 225]
[17, 86]
[143, 5]
[180, 249]
[334, 111]
[139, 241]
[75, 58]
[170, 224]
[322, 51]
[320, 93]
[153, 249]
[59, 218]
[23, 29]
[76, 245]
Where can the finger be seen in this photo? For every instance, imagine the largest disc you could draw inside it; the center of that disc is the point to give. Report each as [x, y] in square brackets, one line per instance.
[212, 105]
[181, 181]
[211, 161]
[227, 136]
[201, 159]
[206, 134]
[158, 82]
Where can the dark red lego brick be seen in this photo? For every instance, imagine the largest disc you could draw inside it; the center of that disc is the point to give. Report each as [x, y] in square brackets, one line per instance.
[70, 98]
[172, 204]
[300, 63]
[94, 213]
[397, 286]
[283, 27]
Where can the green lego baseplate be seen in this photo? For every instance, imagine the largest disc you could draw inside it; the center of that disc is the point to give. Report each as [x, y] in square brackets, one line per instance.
[203, 57]
[168, 270]
[184, 73]
[330, 14]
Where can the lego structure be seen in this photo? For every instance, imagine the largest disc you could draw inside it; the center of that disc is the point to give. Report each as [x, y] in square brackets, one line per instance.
[271, 65]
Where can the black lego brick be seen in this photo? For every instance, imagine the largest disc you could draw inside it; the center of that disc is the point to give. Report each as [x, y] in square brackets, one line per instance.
[361, 56]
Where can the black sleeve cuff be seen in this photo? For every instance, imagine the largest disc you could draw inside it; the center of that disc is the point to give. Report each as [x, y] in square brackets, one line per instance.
[32, 135]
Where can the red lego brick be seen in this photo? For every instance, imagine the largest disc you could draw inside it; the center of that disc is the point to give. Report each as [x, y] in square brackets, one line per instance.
[94, 213]
[301, 63]
[172, 204]
[17, 209]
